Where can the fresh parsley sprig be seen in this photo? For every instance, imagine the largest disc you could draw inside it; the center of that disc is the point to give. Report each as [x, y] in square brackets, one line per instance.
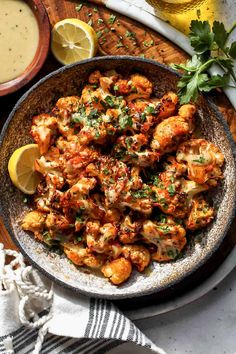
[210, 46]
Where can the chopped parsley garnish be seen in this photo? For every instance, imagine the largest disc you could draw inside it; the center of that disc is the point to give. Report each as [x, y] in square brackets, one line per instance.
[119, 44]
[106, 171]
[93, 113]
[165, 229]
[112, 19]
[149, 110]
[116, 87]
[171, 190]
[90, 22]
[79, 238]
[99, 34]
[200, 160]
[109, 100]
[78, 7]
[163, 218]
[130, 35]
[128, 142]
[140, 194]
[80, 218]
[143, 117]
[100, 20]
[125, 121]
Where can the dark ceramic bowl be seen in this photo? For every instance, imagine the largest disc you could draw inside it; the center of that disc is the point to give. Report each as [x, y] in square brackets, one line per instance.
[69, 81]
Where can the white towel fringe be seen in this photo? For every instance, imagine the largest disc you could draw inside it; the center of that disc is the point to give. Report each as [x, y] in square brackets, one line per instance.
[20, 275]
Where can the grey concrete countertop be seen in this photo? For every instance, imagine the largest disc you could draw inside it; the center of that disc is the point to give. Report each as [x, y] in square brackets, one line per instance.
[206, 326]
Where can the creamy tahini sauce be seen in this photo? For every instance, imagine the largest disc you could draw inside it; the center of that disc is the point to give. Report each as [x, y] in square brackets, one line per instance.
[19, 37]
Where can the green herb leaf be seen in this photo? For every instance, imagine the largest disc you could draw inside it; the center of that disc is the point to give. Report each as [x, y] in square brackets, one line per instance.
[112, 19]
[99, 34]
[221, 35]
[171, 190]
[78, 7]
[232, 50]
[201, 37]
[201, 159]
[109, 101]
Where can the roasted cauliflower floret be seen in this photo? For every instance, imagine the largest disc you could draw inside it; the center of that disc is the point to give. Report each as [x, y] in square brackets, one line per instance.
[77, 157]
[113, 177]
[50, 165]
[203, 159]
[201, 214]
[44, 131]
[118, 270]
[141, 87]
[77, 198]
[138, 86]
[94, 77]
[172, 131]
[63, 110]
[167, 105]
[99, 238]
[82, 256]
[192, 188]
[138, 255]
[139, 200]
[129, 230]
[133, 150]
[168, 237]
[168, 195]
[34, 221]
[57, 223]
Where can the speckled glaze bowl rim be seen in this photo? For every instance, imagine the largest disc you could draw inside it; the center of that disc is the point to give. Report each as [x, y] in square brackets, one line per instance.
[150, 291]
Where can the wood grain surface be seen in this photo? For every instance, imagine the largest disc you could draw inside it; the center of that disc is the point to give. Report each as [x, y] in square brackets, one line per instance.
[117, 35]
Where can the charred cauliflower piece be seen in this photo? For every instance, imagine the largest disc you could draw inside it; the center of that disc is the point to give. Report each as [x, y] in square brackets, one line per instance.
[203, 159]
[63, 110]
[129, 230]
[201, 214]
[113, 177]
[118, 270]
[34, 221]
[43, 131]
[134, 150]
[167, 105]
[82, 256]
[99, 238]
[172, 131]
[138, 255]
[167, 236]
[138, 86]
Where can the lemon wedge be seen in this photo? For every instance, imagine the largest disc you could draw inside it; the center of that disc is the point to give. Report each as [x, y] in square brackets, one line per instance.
[21, 168]
[73, 40]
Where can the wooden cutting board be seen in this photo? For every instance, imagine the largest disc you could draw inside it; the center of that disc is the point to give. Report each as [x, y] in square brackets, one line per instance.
[117, 36]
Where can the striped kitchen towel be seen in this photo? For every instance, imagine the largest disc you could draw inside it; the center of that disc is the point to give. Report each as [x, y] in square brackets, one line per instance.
[37, 316]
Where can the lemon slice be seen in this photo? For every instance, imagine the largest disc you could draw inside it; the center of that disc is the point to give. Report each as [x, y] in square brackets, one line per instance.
[73, 40]
[21, 168]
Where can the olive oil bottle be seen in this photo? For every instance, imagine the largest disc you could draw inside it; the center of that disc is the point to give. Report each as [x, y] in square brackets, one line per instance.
[180, 13]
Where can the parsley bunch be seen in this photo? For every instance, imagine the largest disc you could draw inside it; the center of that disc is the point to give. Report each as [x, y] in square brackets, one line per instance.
[210, 45]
